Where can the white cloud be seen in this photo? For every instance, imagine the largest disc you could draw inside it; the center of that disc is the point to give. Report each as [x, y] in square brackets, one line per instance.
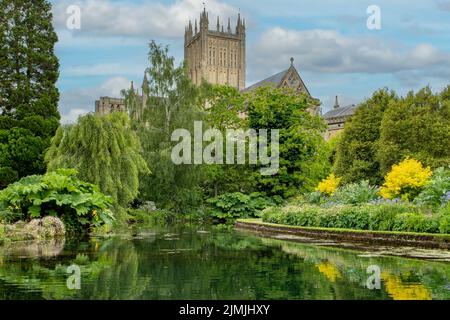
[329, 51]
[103, 69]
[151, 19]
[73, 39]
[80, 101]
[73, 115]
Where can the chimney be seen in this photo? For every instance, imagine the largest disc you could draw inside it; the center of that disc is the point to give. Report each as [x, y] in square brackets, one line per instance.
[336, 103]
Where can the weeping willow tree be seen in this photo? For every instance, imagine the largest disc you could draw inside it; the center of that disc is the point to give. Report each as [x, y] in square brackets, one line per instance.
[171, 102]
[105, 151]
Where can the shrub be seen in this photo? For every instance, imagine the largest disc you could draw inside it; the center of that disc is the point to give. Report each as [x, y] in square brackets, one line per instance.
[355, 193]
[238, 205]
[351, 217]
[405, 180]
[329, 185]
[314, 197]
[436, 192]
[444, 215]
[416, 222]
[385, 217]
[79, 204]
[358, 144]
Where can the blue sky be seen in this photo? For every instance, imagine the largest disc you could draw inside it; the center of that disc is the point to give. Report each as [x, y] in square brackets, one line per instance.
[334, 51]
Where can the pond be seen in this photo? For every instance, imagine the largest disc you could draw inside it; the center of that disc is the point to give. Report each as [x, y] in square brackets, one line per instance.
[192, 262]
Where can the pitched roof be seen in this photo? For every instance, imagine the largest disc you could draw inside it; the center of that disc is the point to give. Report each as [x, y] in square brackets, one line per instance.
[341, 112]
[272, 80]
[277, 79]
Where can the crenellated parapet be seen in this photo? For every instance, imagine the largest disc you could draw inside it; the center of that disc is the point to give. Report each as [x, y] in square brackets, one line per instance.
[216, 55]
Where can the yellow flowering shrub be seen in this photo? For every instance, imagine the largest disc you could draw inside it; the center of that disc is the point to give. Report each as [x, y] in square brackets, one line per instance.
[405, 180]
[329, 185]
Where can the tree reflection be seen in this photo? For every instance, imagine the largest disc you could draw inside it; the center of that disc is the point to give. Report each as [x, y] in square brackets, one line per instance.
[181, 263]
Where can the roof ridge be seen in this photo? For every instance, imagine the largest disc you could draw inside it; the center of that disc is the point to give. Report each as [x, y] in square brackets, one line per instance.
[270, 79]
[341, 111]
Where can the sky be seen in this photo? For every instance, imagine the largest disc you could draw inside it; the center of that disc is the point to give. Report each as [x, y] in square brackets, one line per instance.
[334, 50]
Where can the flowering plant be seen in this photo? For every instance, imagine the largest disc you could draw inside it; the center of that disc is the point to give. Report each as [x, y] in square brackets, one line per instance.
[329, 185]
[405, 180]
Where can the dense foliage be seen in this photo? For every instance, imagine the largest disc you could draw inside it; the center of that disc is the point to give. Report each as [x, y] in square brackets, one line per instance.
[28, 95]
[79, 204]
[226, 105]
[172, 102]
[352, 193]
[238, 205]
[357, 145]
[437, 191]
[416, 126]
[355, 193]
[381, 217]
[105, 151]
[386, 129]
[303, 152]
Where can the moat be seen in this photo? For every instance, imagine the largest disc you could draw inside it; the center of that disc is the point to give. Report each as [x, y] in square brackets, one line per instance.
[192, 262]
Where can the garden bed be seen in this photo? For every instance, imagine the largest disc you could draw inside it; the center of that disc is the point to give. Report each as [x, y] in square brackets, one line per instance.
[395, 238]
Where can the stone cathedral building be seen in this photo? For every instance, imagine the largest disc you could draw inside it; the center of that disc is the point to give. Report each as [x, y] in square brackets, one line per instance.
[217, 56]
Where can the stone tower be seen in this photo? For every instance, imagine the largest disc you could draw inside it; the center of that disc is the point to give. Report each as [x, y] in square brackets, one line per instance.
[217, 56]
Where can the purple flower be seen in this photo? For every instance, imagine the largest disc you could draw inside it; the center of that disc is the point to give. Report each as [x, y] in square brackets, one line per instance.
[446, 197]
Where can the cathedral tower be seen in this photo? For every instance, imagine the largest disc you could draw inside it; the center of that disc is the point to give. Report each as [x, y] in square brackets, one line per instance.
[217, 56]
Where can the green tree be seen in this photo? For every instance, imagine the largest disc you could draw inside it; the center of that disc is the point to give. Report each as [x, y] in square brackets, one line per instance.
[417, 126]
[105, 151]
[226, 105]
[173, 102]
[303, 152]
[356, 149]
[28, 95]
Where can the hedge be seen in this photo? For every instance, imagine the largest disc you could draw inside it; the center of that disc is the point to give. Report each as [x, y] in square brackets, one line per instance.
[380, 217]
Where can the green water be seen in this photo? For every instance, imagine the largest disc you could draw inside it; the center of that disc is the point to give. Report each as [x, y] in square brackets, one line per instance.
[188, 262]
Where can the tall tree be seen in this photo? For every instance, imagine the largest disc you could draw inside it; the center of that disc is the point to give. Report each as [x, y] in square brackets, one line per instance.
[172, 102]
[356, 148]
[105, 151]
[303, 158]
[417, 126]
[28, 95]
[226, 105]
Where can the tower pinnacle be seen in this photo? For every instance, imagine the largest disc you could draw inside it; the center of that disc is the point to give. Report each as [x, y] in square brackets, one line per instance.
[336, 103]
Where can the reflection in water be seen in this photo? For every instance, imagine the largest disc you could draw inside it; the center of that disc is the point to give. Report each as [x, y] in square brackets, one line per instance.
[181, 263]
[33, 249]
[400, 291]
[329, 270]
